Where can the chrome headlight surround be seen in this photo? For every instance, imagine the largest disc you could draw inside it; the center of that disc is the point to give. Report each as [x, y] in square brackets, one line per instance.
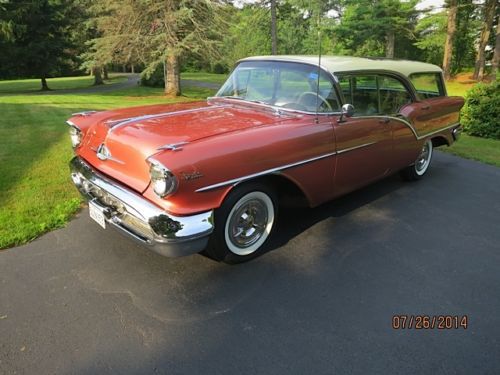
[162, 180]
[75, 134]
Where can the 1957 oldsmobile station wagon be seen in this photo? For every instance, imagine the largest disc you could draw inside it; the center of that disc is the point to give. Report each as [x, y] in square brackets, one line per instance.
[210, 176]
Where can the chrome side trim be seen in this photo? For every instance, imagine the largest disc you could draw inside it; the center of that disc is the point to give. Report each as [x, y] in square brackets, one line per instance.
[355, 147]
[280, 168]
[439, 130]
[408, 124]
[267, 171]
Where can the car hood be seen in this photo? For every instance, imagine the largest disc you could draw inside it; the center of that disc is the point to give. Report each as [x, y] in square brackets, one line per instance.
[132, 135]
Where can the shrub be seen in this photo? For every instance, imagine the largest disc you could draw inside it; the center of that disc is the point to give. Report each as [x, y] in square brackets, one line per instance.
[154, 79]
[481, 112]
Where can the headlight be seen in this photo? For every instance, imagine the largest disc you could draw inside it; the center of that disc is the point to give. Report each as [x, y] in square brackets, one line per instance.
[75, 135]
[162, 180]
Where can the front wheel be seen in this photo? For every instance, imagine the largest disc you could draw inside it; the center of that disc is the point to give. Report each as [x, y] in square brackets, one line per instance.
[417, 170]
[243, 224]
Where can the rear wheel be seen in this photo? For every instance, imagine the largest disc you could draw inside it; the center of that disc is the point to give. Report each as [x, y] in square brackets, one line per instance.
[417, 170]
[243, 224]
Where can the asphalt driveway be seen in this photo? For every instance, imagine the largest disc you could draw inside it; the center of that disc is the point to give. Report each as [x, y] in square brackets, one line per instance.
[84, 301]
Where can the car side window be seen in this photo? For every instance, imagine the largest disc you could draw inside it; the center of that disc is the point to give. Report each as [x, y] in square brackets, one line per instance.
[362, 92]
[428, 85]
[393, 95]
[374, 94]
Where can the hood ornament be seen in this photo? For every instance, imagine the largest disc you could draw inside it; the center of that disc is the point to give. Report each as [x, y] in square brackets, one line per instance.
[104, 154]
[173, 146]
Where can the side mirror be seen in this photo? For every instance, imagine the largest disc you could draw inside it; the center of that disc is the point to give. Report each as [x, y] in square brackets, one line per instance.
[347, 111]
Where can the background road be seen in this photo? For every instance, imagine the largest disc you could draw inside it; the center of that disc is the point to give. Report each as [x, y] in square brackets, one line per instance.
[84, 301]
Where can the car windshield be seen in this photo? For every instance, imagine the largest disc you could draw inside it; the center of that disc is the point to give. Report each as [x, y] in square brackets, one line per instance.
[282, 84]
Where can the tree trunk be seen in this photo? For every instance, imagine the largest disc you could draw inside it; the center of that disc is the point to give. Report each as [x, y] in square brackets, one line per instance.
[389, 44]
[97, 76]
[489, 14]
[172, 84]
[496, 54]
[124, 68]
[274, 34]
[132, 68]
[45, 87]
[105, 72]
[450, 34]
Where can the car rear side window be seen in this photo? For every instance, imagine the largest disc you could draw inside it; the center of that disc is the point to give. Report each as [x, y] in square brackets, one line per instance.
[374, 94]
[393, 95]
[428, 85]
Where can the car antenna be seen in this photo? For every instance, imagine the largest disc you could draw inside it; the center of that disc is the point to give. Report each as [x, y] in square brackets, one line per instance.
[319, 61]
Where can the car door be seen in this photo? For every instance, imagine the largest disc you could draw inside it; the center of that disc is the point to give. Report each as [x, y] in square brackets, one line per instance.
[433, 110]
[364, 141]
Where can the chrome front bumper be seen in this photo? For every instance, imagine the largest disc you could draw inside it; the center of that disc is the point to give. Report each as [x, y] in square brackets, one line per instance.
[136, 217]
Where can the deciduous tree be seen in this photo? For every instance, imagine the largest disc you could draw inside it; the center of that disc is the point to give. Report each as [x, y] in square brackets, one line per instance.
[450, 34]
[489, 14]
[160, 32]
[496, 53]
[38, 36]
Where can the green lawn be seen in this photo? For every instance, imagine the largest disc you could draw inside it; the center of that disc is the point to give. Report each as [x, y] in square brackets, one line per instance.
[205, 77]
[26, 85]
[456, 88]
[36, 194]
[475, 148]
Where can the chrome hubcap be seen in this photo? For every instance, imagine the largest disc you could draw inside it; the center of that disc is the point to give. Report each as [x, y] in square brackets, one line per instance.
[248, 223]
[423, 159]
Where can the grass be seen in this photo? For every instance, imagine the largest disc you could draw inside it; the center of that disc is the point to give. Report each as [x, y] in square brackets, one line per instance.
[475, 148]
[36, 194]
[205, 77]
[27, 85]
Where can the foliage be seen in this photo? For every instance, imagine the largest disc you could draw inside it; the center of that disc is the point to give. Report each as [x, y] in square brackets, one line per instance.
[366, 26]
[431, 31]
[153, 31]
[154, 79]
[481, 113]
[35, 42]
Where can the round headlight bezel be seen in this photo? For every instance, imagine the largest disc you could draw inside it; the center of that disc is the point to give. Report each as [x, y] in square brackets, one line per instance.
[75, 135]
[163, 181]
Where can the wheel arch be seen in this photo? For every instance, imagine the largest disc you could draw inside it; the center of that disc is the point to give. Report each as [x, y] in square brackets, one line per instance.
[439, 140]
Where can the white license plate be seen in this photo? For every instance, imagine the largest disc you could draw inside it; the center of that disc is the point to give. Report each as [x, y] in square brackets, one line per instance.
[97, 214]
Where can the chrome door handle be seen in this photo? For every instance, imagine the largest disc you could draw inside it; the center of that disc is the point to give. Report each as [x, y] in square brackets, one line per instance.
[385, 120]
[425, 107]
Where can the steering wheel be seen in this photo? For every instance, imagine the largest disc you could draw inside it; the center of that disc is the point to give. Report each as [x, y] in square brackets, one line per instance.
[310, 93]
